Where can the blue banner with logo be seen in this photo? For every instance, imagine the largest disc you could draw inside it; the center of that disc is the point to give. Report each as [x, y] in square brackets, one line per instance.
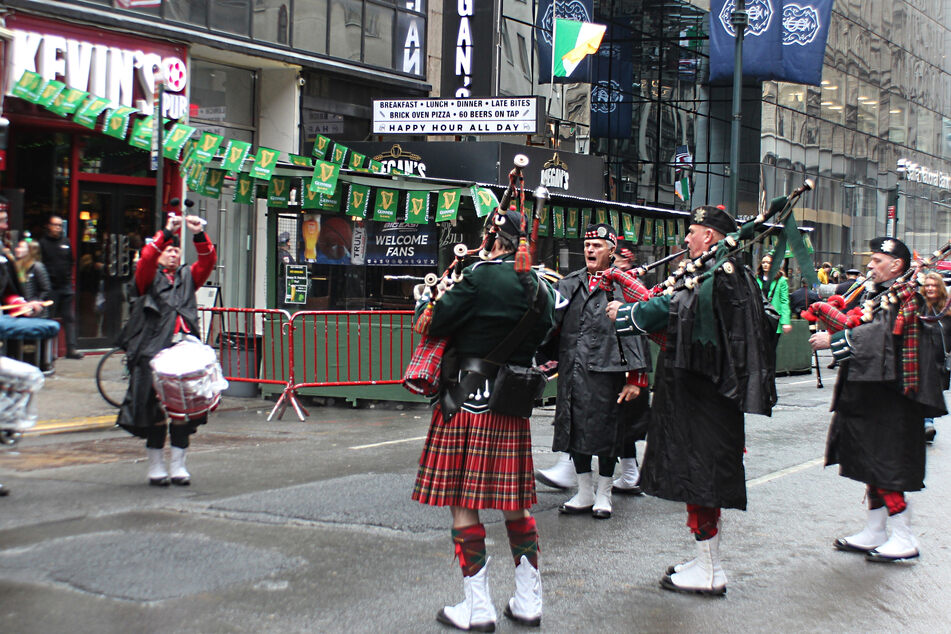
[611, 96]
[784, 41]
[548, 10]
[400, 244]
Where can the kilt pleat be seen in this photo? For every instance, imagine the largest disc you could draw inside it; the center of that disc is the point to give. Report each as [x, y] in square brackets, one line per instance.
[477, 461]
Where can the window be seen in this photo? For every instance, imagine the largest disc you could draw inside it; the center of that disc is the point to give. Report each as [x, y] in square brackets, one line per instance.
[232, 16]
[378, 36]
[346, 19]
[310, 26]
[270, 20]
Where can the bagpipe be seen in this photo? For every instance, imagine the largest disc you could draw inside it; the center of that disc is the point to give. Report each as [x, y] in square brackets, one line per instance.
[422, 373]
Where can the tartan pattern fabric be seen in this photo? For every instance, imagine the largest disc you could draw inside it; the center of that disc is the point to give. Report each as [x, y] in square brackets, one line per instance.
[523, 540]
[477, 461]
[469, 542]
[422, 375]
[633, 291]
[908, 327]
[702, 521]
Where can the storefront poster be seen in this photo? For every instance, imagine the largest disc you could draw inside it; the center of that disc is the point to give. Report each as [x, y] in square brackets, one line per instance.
[401, 244]
[484, 201]
[278, 191]
[326, 239]
[358, 201]
[571, 223]
[235, 153]
[264, 163]
[296, 283]
[29, 86]
[325, 177]
[117, 121]
[447, 204]
[558, 222]
[417, 207]
[50, 92]
[244, 189]
[321, 143]
[207, 147]
[384, 206]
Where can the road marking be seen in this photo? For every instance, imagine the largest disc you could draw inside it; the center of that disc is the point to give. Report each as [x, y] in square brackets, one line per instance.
[389, 442]
[56, 426]
[797, 383]
[775, 475]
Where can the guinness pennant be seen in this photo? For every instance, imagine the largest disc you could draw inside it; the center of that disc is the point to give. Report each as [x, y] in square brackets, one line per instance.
[385, 204]
[302, 161]
[615, 220]
[558, 222]
[658, 232]
[173, 141]
[213, 180]
[602, 215]
[571, 223]
[117, 122]
[671, 233]
[141, 136]
[325, 177]
[309, 198]
[207, 147]
[585, 219]
[417, 207]
[69, 100]
[235, 153]
[647, 231]
[333, 201]
[377, 167]
[278, 191]
[544, 222]
[244, 189]
[484, 200]
[188, 157]
[357, 160]
[321, 145]
[50, 92]
[339, 153]
[358, 201]
[630, 232]
[28, 87]
[264, 163]
[447, 204]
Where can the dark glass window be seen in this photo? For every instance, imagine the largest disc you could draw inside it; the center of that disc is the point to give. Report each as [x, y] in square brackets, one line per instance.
[378, 36]
[270, 20]
[346, 29]
[310, 26]
[231, 16]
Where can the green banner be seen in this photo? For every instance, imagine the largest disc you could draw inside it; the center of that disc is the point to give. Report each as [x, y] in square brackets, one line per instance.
[141, 136]
[214, 179]
[417, 207]
[377, 167]
[325, 177]
[647, 231]
[357, 160]
[309, 198]
[88, 114]
[358, 201]
[571, 222]
[544, 222]
[671, 233]
[29, 86]
[207, 146]
[279, 191]
[602, 215]
[484, 200]
[339, 153]
[173, 142]
[332, 201]
[235, 153]
[302, 161]
[264, 163]
[193, 177]
[188, 156]
[69, 100]
[321, 144]
[244, 189]
[558, 222]
[50, 92]
[658, 232]
[615, 220]
[585, 220]
[630, 231]
[447, 204]
[117, 121]
[384, 205]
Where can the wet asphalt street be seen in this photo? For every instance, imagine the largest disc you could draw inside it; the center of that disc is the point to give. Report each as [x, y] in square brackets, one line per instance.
[308, 527]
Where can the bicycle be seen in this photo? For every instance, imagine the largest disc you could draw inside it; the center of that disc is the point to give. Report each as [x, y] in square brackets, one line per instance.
[112, 377]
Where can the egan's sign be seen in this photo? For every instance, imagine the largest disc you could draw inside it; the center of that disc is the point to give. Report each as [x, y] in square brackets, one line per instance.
[497, 115]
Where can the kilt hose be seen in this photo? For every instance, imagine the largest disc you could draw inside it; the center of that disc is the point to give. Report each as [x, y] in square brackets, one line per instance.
[477, 461]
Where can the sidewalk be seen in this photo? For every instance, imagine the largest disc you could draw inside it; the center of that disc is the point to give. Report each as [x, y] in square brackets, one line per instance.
[69, 401]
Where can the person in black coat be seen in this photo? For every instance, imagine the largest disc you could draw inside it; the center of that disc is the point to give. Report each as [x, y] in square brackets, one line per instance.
[717, 364]
[880, 402]
[601, 380]
[58, 259]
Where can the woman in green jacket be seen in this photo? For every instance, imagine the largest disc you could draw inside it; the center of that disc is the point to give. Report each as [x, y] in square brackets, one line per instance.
[778, 294]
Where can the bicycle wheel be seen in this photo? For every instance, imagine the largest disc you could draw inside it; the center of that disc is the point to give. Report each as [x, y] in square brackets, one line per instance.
[112, 377]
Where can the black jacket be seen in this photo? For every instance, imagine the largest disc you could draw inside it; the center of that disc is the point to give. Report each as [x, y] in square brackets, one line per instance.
[58, 259]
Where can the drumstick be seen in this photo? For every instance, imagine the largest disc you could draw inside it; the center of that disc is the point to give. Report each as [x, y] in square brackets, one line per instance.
[201, 220]
[48, 302]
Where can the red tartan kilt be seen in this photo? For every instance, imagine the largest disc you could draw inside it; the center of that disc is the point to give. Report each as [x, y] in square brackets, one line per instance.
[477, 461]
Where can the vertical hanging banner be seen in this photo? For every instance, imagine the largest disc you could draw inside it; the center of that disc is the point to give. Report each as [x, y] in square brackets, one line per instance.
[558, 222]
[647, 231]
[671, 233]
[658, 232]
[50, 92]
[244, 189]
[611, 95]
[207, 146]
[385, 204]
[325, 177]
[28, 87]
[278, 191]
[235, 153]
[213, 182]
[601, 215]
[484, 201]
[264, 163]
[358, 200]
[447, 204]
[88, 114]
[630, 233]
[585, 220]
[544, 222]
[417, 207]
[321, 144]
[332, 201]
[615, 220]
[571, 223]
[309, 198]
[175, 139]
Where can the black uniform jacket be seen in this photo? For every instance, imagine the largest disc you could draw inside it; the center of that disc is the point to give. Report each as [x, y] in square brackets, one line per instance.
[592, 372]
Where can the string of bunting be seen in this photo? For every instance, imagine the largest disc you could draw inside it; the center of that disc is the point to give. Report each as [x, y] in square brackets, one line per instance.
[255, 178]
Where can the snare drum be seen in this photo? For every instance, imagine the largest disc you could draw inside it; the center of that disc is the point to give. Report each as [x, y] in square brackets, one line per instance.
[19, 384]
[188, 380]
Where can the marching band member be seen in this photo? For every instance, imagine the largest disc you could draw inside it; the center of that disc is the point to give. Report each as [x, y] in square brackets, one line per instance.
[889, 382]
[601, 381]
[164, 311]
[716, 366]
[474, 456]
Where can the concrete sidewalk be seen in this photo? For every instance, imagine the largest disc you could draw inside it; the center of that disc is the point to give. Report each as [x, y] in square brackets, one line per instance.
[69, 401]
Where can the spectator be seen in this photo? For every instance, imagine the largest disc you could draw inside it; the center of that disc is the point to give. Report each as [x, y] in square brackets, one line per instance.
[33, 277]
[778, 293]
[799, 299]
[58, 257]
[823, 272]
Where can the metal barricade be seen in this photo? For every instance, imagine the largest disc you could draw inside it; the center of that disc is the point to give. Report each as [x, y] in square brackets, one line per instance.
[341, 348]
[252, 343]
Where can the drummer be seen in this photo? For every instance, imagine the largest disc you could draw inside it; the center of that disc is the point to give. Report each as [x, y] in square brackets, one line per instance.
[167, 289]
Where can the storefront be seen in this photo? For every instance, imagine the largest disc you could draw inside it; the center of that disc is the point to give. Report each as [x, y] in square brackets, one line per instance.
[102, 187]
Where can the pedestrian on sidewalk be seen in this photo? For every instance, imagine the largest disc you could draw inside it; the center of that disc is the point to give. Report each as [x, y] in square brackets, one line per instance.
[478, 453]
[716, 365]
[58, 259]
[888, 383]
[163, 312]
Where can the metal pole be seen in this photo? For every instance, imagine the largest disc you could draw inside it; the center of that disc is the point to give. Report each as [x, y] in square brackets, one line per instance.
[740, 20]
[157, 130]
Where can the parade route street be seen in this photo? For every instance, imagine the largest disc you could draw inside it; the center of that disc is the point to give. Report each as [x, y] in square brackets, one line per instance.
[309, 527]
